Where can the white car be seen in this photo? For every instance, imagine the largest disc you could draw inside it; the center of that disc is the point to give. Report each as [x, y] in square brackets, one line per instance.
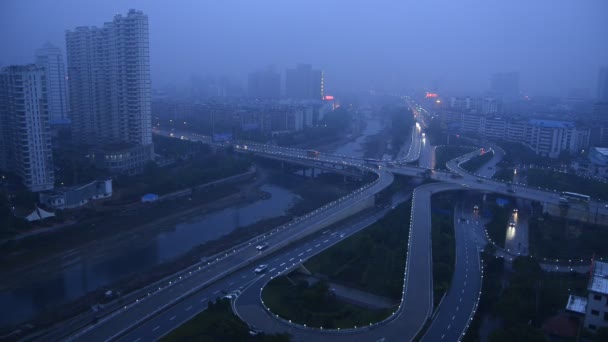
[262, 246]
[261, 268]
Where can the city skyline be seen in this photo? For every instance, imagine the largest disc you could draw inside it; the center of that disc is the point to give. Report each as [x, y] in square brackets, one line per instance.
[408, 50]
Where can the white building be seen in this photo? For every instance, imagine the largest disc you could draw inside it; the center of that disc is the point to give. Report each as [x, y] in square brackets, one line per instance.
[50, 58]
[77, 196]
[109, 82]
[25, 135]
[595, 306]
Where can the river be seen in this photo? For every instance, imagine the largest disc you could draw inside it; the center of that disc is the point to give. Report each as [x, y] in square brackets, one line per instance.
[82, 272]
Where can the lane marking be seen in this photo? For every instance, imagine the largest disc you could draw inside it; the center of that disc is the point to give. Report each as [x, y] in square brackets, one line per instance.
[138, 339]
[204, 299]
[291, 259]
[158, 326]
[308, 250]
[453, 317]
[272, 270]
[317, 245]
[449, 325]
[243, 277]
[172, 318]
[188, 308]
[300, 254]
[281, 264]
[216, 292]
[326, 241]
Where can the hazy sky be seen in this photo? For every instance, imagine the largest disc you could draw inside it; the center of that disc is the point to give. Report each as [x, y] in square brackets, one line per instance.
[554, 44]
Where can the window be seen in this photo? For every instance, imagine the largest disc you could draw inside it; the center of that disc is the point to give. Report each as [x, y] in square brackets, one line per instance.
[592, 326]
[595, 312]
[605, 316]
[597, 297]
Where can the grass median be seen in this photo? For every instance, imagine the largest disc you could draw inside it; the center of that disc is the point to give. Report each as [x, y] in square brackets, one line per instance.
[473, 164]
[443, 154]
[443, 243]
[372, 261]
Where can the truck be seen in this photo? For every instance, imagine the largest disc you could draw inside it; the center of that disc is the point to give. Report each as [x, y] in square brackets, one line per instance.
[313, 153]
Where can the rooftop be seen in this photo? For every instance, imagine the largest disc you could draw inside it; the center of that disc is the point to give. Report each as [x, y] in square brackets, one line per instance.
[602, 150]
[599, 280]
[551, 123]
[577, 304]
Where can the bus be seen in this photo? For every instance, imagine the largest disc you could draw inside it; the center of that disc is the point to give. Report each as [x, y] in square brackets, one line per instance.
[575, 196]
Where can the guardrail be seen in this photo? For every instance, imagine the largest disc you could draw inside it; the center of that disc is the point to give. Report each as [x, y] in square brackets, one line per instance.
[356, 329]
[179, 276]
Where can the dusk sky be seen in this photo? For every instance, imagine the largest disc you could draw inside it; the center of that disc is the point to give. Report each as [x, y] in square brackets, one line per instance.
[555, 45]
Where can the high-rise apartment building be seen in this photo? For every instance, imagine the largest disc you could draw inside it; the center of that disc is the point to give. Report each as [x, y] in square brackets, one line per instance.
[602, 85]
[264, 84]
[304, 83]
[109, 83]
[25, 135]
[50, 58]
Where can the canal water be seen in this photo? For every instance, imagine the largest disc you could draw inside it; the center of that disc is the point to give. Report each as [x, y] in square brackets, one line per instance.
[82, 273]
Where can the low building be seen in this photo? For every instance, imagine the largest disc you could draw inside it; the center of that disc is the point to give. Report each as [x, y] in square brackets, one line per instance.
[76, 196]
[596, 163]
[595, 306]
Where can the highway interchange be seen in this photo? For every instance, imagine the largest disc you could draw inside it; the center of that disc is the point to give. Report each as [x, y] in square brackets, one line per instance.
[156, 314]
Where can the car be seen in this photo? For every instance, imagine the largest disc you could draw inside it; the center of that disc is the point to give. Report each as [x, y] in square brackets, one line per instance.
[261, 268]
[475, 207]
[511, 225]
[515, 210]
[262, 247]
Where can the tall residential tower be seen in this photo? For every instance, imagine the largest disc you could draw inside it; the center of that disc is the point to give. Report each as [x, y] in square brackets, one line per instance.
[109, 83]
[50, 58]
[25, 135]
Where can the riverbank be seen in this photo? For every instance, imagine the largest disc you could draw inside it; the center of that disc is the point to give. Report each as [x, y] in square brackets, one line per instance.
[308, 199]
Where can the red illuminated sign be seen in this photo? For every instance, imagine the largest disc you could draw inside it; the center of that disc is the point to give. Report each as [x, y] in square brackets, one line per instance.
[431, 95]
[328, 97]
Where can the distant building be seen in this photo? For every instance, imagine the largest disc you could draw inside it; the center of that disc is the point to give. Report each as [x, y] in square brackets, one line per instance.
[505, 84]
[304, 83]
[76, 196]
[50, 58]
[109, 82]
[595, 306]
[548, 138]
[25, 134]
[602, 85]
[264, 85]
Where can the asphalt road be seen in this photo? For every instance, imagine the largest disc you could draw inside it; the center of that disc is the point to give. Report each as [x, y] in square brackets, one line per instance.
[456, 308]
[417, 298]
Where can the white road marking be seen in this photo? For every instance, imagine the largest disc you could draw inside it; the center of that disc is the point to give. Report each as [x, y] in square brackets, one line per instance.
[188, 308]
[243, 277]
[334, 233]
[300, 254]
[216, 292]
[291, 259]
[449, 325]
[172, 318]
[153, 330]
[308, 250]
[317, 245]
[204, 299]
[282, 264]
[272, 270]
[138, 339]
[326, 241]
[453, 317]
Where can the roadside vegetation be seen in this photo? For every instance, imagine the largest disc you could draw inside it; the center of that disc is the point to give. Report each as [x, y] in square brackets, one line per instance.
[553, 237]
[218, 323]
[529, 297]
[549, 179]
[372, 261]
[443, 154]
[443, 243]
[504, 174]
[473, 164]
[316, 305]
